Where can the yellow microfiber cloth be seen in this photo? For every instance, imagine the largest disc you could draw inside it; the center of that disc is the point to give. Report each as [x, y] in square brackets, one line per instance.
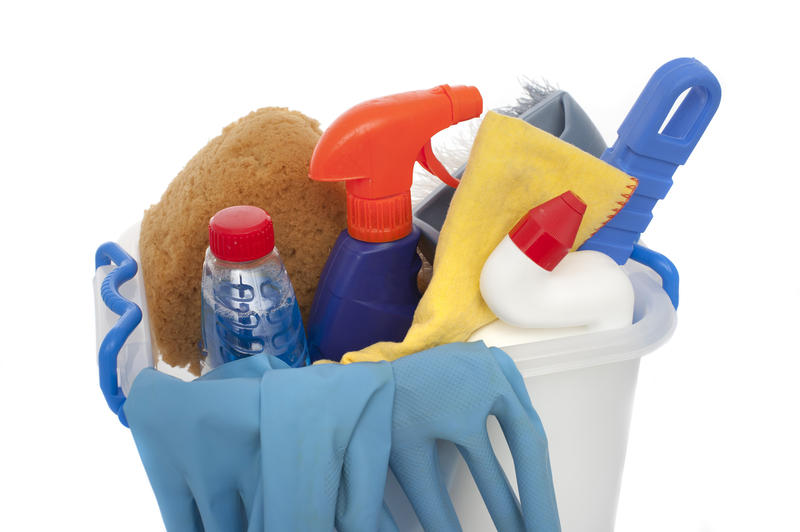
[512, 168]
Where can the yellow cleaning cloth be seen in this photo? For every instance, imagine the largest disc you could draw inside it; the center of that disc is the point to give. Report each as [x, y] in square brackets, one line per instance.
[512, 168]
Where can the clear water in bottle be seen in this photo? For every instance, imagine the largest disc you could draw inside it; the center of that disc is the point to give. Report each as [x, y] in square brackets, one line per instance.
[249, 309]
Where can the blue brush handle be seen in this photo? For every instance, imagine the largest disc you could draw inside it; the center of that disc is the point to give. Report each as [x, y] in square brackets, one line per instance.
[130, 316]
[650, 154]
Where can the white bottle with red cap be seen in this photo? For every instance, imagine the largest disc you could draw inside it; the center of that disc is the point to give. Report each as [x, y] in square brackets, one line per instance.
[539, 290]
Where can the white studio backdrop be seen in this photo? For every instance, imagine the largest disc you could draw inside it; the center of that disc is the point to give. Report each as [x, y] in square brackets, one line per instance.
[103, 103]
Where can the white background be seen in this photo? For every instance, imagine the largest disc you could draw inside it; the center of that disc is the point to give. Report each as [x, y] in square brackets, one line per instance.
[103, 103]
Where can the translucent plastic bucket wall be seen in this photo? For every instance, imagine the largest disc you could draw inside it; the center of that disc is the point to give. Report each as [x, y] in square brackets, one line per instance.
[583, 389]
[581, 386]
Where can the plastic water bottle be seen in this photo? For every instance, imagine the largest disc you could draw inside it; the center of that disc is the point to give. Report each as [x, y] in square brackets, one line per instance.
[249, 306]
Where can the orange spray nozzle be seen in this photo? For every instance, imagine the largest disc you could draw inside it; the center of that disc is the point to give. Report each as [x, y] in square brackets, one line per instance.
[373, 147]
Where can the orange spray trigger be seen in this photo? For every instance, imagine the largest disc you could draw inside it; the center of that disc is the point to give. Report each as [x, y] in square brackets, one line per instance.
[373, 146]
[430, 163]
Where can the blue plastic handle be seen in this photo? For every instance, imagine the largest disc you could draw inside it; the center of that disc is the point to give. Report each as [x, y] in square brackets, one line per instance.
[663, 267]
[130, 316]
[651, 154]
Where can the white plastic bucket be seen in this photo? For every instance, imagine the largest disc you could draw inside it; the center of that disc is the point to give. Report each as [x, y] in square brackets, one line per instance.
[581, 386]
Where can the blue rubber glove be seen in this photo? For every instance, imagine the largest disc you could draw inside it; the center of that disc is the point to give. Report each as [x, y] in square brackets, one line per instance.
[251, 446]
[447, 393]
[231, 450]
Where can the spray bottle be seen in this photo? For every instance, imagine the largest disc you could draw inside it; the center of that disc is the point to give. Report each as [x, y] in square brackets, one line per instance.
[368, 289]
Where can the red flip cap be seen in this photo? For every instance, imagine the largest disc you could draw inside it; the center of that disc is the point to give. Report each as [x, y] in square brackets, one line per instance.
[548, 231]
[373, 147]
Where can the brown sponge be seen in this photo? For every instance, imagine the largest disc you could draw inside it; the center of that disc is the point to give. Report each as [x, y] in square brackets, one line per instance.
[262, 160]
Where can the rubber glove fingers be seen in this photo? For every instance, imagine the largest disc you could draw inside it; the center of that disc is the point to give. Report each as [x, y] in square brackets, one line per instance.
[447, 393]
[328, 458]
[199, 442]
[527, 441]
[247, 447]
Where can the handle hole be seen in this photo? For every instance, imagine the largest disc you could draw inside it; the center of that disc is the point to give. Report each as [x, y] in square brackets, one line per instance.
[684, 114]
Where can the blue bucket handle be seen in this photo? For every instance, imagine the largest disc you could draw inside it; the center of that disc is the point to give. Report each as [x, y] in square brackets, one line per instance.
[662, 266]
[130, 317]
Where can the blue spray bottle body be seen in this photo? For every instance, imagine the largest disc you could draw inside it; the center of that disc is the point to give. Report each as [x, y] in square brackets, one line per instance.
[368, 289]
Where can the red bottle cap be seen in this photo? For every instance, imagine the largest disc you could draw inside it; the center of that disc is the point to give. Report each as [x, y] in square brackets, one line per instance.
[241, 234]
[548, 231]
